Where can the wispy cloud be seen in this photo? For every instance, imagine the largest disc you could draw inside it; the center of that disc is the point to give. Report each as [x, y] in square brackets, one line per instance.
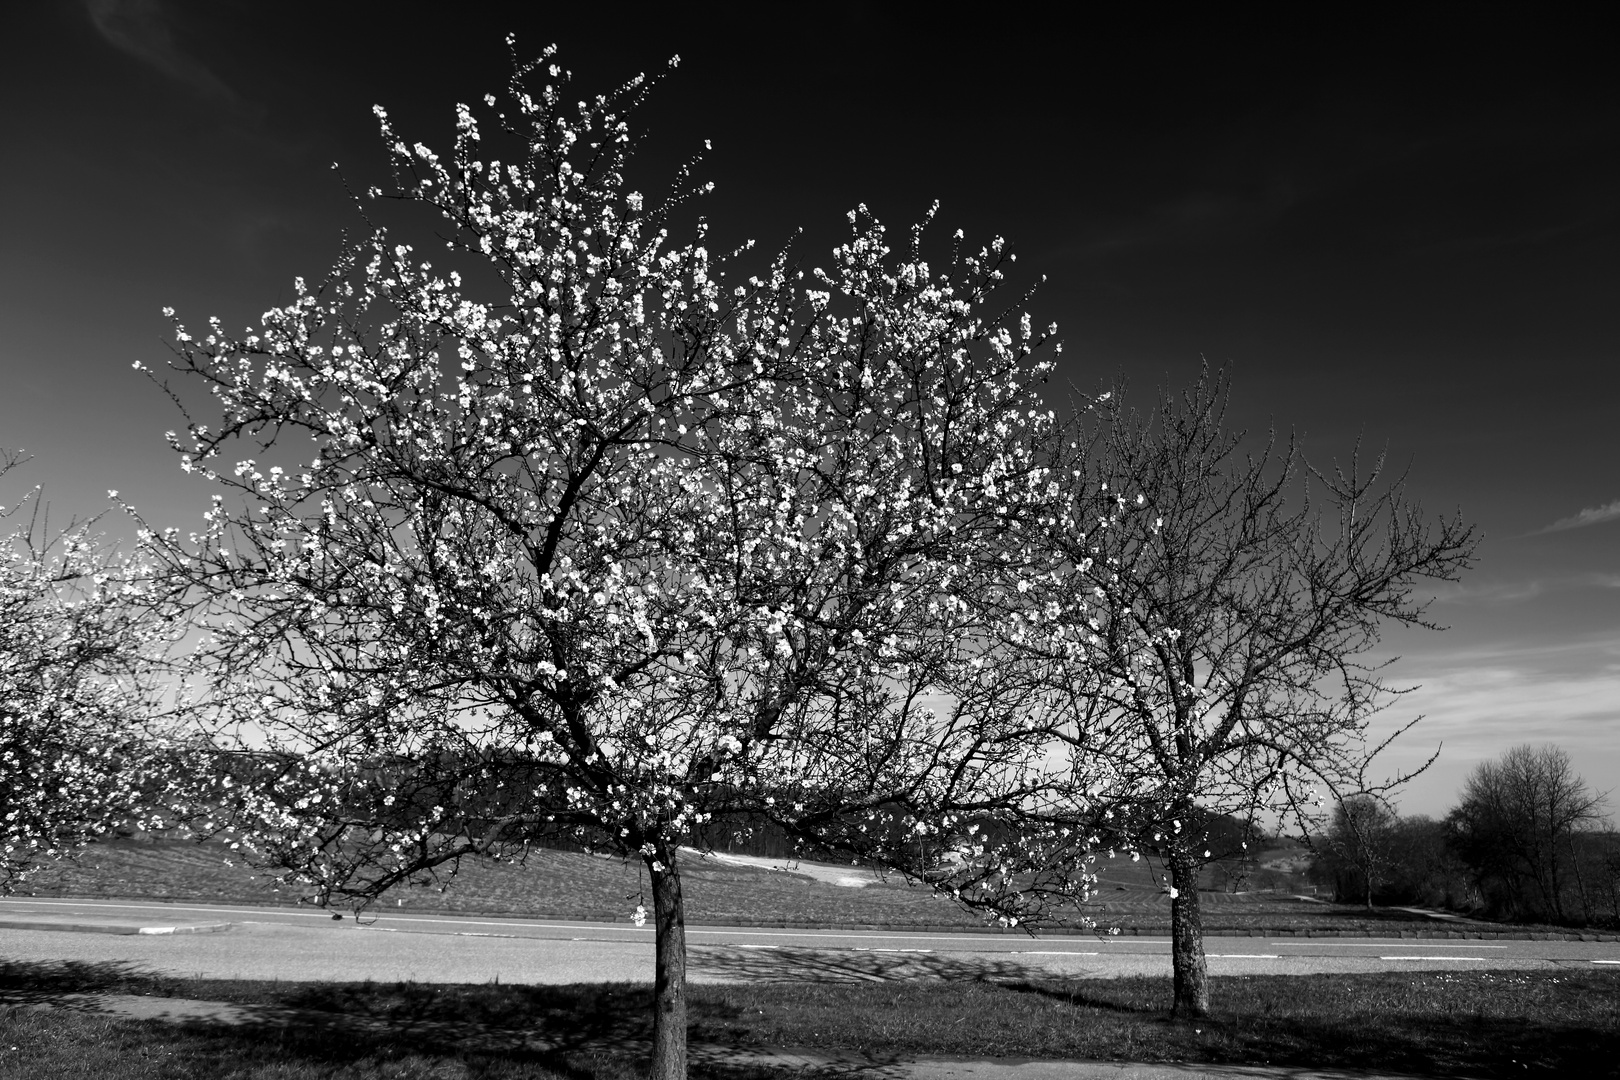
[1488, 592]
[1592, 515]
[1544, 661]
[1517, 591]
[1479, 701]
[141, 29]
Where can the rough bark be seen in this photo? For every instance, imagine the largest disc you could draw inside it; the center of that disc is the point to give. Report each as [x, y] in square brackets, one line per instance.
[1187, 961]
[669, 980]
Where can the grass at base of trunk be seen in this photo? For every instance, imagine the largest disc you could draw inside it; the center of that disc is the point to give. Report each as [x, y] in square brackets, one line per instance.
[1435, 1023]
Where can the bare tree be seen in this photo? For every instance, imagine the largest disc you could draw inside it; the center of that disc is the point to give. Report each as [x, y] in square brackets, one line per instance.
[1517, 824]
[1361, 836]
[1224, 607]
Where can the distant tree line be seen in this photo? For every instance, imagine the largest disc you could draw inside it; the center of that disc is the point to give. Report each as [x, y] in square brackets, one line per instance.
[1528, 840]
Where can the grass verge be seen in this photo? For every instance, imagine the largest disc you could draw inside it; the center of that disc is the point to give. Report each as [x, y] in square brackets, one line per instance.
[1480, 1024]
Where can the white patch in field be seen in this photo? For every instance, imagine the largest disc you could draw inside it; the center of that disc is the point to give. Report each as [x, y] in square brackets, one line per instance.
[826, 873]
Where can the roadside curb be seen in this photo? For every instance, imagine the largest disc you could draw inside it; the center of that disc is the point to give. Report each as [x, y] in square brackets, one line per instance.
[113, 928]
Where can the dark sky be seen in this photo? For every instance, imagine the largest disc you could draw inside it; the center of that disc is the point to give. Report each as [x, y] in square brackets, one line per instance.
[1401, 228]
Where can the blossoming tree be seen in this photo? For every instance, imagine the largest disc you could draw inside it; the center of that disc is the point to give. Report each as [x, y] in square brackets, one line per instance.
[1224, 617]
[81, 653]
[631, 548]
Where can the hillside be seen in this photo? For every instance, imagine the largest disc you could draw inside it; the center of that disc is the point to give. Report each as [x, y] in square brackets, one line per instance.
[721, 889]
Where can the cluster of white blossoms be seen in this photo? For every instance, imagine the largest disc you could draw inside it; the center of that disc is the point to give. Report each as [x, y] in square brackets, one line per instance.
[83, 637]
[633, 546]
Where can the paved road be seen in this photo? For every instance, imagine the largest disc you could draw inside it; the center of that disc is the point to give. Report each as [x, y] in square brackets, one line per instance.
[290, 945]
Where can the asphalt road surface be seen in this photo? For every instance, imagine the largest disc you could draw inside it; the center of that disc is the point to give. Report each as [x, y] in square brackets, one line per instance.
[293, 945]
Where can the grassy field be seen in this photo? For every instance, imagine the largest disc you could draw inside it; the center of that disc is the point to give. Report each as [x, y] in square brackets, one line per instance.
[1481, 1024]
[558, 884]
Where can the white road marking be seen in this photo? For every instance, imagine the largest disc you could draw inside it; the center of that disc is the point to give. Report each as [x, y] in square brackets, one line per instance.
[1242, 956]
[86, 904]
[1051, 952]
[452, 933]
[1481, 958]
[860, 948]
[1388, 945]
[1606, 961]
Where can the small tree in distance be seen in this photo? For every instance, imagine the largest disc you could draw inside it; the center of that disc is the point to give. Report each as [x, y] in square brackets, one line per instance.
[82, 651]
[1228, 610]
[1410, 860]
[1517, 824]
[631, 547]
[1361, 837]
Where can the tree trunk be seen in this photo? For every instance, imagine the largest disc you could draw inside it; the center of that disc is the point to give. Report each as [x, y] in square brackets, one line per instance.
[1580, 881]
[1547, 884]
[1369, 876]
[1187, 937]
[669, 980]
[1555, 884]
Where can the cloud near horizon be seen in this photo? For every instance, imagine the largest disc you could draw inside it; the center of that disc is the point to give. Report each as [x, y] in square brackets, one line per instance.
[1592, 515]
[1478, 701]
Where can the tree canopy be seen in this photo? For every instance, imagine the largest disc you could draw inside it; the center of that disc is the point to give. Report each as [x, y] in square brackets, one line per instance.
[626, 542]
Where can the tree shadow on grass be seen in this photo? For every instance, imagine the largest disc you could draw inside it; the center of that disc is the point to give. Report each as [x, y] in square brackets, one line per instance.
[1403, 1029]
[1402, 1022]
[573, 1017]
[726, 963]
[22, 981]
[1148, 997]
[569, 1030]
[1479, 1024]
